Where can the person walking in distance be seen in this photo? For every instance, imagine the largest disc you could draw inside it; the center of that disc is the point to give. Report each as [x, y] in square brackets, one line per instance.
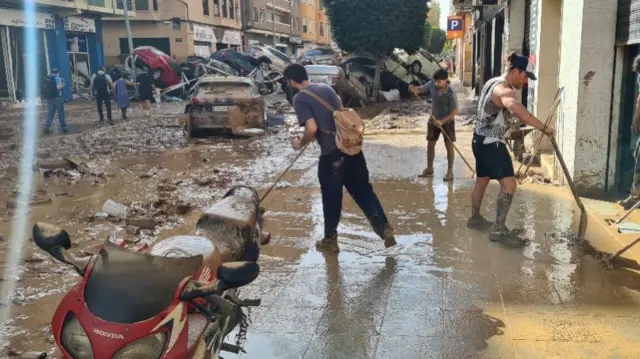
[335, 168]
[445, 109]
[52, 92]
[102, 84]
[122, 94]
[634, 195]
[145, 90]
[497, 109]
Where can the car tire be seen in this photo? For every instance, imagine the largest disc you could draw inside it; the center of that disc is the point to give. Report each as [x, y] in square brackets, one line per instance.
[157, 74]
[416, 67]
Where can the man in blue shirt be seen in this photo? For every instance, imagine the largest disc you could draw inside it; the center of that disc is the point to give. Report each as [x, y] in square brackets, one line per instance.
[634, 195]
[55, 102]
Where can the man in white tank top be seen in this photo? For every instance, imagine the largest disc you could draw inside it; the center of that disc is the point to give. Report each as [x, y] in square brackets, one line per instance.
[497, 108]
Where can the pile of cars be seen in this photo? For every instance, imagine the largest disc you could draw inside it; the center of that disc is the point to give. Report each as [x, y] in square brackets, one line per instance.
[353, 77]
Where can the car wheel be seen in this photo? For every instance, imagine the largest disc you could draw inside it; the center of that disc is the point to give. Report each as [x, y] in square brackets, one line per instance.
[416, 67]
[157, 73]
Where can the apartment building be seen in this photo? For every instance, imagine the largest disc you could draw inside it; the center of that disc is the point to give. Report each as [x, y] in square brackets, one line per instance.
[273, 22]
[323, 37]
[69, 34]
[176, 27]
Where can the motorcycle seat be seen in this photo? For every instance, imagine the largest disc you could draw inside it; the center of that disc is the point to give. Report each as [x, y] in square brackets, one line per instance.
[128, 287]
[238, 274]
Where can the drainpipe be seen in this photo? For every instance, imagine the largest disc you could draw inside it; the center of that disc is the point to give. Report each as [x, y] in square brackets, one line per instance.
[186, 6]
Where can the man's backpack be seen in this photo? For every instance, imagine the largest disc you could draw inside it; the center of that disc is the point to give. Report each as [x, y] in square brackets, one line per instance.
[349, 127]
[100, 84]
[50, 87]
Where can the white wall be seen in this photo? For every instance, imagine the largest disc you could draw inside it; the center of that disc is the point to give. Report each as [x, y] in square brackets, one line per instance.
[586, 72]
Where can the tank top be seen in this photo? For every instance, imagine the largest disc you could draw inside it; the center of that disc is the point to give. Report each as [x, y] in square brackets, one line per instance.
[494, 123]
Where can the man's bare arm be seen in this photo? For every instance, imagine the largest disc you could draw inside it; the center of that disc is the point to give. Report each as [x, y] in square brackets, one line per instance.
[450, 116]
[310, 129]
[507, 96]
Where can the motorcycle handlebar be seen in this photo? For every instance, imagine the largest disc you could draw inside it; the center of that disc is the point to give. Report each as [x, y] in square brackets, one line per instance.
[192, 291]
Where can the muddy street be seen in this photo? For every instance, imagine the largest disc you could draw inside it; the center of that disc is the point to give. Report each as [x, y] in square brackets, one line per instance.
[443, 292]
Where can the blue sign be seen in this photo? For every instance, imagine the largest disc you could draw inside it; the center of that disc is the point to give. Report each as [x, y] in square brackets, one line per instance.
[454, 23]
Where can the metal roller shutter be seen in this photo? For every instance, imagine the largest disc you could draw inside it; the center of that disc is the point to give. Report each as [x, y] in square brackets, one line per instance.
[628, 24]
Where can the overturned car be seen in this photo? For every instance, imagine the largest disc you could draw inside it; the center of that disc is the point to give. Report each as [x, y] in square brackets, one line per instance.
[224, 105]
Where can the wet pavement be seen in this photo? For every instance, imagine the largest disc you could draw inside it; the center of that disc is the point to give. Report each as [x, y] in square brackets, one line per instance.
[444, 292]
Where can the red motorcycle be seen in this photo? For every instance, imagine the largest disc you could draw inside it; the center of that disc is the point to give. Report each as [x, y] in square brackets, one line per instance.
[169, 303]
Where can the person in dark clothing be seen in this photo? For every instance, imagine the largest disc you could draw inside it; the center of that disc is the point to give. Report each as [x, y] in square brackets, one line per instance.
[145, 90]
[102, 84]
[335, 169]
[55, 102]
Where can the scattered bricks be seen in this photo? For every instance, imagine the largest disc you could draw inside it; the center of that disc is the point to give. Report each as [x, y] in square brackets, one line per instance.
[142, 222]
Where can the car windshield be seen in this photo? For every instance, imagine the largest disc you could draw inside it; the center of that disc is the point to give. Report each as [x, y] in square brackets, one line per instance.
[278, 54]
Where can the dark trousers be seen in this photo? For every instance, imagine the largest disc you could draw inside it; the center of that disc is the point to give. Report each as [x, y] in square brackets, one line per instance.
[123, 110]
[106, 100]
[336, 170]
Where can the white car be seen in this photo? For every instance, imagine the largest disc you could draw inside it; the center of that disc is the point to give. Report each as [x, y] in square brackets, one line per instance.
[279, 60]
[420, 63]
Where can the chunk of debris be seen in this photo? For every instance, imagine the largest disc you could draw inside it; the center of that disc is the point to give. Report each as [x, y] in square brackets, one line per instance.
[132, 230]
[115, 209]
[142, 223]
[165, 187]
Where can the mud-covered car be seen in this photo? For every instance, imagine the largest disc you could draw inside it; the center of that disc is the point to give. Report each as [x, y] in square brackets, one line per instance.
[224, 105]
[165, 71]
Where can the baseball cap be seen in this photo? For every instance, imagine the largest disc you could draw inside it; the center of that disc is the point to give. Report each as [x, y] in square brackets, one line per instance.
[526, 64]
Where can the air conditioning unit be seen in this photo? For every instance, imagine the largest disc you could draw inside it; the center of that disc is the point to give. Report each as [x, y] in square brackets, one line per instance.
[462, 4]
[486, 2]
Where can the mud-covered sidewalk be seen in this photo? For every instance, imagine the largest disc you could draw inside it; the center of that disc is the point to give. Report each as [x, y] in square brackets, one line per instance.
[444, 292]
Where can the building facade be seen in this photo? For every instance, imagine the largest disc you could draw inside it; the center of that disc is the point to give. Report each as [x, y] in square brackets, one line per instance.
[69, 35]
[273, 22]
[181, 28]
[464, 46]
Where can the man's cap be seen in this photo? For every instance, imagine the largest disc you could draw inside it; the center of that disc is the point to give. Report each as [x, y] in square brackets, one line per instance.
[526, 64]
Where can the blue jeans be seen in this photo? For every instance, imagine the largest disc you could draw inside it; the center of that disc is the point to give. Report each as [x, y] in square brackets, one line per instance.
[337, 170]
[55, 105]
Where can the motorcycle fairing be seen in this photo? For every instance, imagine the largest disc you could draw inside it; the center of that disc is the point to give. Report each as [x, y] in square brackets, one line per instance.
[107, 337]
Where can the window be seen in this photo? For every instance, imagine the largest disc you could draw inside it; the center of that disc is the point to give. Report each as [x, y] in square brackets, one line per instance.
[224, 9]
[255, 14]
[120, 4]
[269, 15]
[216, 7]
[231, 9]
[142, 5]
[155, 5]
[262, 16]
[304, 25]
[321, 29]
[205, 7]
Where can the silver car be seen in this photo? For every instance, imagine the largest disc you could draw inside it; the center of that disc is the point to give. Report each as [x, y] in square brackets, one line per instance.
[320, 56]
[334, 76]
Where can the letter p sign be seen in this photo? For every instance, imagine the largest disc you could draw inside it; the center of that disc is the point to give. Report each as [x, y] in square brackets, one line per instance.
[455, 26]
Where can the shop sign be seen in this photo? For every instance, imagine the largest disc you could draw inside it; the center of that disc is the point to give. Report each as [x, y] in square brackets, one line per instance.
[202, 50]
[16, 18]
[232, 37]
[204, 34]
[79, 24]
[77, 43]
[295, 40]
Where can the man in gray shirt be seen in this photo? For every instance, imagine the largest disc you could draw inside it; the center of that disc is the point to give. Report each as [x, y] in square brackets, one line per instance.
[444, 109]
[335, 169]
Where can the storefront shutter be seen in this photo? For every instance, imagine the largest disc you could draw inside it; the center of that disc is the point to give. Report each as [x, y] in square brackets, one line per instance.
[628, 24]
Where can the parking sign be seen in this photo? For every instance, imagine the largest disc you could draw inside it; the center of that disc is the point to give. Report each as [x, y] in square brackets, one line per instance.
[455, 27]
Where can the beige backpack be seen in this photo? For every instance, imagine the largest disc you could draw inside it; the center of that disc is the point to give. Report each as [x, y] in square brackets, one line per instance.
[349, 127]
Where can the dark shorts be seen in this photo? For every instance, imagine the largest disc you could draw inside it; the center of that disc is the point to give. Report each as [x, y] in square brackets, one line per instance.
[492, 160]
[433, 131]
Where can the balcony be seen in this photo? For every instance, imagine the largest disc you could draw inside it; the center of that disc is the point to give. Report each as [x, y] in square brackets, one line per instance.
[74, 7]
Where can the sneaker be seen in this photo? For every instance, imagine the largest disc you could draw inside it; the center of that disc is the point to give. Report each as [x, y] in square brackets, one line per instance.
[478, 222]
[499, 233]
[110, 121]
[448, 177]
[428, 172]
[328, 244]
[389, 238]
[46, 132]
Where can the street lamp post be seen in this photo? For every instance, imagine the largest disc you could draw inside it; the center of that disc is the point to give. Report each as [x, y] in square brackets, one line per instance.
[127, 25]
[273, 20]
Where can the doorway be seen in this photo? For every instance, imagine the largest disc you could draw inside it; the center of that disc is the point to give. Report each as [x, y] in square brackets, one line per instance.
[79, 66]
[626, 139]
[19, 56]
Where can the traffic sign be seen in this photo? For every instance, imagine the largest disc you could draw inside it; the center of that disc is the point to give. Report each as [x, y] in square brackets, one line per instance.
[455, 27]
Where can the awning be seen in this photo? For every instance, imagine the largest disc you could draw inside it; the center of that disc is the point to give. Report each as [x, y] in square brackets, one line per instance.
[267, 33]
[232, 37]
[204, 34]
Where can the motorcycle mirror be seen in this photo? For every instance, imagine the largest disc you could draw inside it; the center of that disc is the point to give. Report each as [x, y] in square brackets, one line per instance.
[56, 241]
